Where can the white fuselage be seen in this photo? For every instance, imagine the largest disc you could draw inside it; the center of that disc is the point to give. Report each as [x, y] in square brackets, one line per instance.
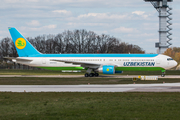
[158, 61]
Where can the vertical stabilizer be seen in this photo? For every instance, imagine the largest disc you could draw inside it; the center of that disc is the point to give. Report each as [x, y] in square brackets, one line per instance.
[23, 46]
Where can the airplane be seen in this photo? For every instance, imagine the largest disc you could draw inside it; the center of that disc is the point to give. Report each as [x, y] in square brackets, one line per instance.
[92, 63]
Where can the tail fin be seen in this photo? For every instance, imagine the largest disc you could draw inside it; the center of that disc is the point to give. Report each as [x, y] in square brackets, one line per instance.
[23, 46]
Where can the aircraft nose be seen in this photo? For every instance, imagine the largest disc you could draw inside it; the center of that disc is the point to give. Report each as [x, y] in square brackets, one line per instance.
[174, 63]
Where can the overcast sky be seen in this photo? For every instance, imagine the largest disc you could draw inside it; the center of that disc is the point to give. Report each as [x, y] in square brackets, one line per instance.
[132, 21]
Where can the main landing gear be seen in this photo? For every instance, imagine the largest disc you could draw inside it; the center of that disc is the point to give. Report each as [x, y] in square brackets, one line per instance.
[163, 73]
[89, 74]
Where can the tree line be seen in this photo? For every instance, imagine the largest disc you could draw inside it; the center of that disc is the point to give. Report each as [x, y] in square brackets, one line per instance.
[173, 52]
[77, 41]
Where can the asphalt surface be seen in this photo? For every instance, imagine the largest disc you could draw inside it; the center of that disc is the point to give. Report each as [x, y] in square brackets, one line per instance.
[166, 87]
[80, 76]
[163, 87]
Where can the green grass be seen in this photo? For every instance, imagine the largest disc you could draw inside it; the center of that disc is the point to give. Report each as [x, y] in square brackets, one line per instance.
[86, 106]
[49, 72]
[34, 72]
[168, 72]
[75, 81]
[89, 106]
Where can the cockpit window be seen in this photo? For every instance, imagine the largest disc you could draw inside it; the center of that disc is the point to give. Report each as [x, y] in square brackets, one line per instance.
[169, 59]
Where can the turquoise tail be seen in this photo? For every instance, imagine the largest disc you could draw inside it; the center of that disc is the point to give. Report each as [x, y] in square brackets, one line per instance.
[22, 45]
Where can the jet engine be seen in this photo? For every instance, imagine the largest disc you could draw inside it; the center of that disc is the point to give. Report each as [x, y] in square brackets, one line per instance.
[108, 69]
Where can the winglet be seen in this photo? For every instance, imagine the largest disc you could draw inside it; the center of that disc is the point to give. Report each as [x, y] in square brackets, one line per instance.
[22, 45]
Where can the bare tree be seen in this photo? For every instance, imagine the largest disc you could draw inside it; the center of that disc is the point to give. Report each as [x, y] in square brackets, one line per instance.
[77, 41]
[5, 46]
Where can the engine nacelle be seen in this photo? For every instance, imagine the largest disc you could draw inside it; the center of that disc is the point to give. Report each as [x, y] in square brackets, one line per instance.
[107, 69]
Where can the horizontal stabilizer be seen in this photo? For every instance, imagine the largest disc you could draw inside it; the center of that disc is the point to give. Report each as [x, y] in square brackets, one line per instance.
[19, 59]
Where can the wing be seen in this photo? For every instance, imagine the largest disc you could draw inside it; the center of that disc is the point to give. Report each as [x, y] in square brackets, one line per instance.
[83, 64]
[18, 59]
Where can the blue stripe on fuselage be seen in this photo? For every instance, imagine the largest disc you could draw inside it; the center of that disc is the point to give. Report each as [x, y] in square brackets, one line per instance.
[94, 55]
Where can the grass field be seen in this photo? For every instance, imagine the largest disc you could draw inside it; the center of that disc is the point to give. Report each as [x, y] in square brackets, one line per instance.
[49, 72]
[89, 106]
[85, 106]
[75, 81]
[33, 72]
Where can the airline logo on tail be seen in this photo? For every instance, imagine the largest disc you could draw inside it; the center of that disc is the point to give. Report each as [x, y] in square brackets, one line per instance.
[20, 43]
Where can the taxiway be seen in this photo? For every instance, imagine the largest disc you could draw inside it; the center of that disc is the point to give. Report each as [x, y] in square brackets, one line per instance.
[166, 87]
[82, 76]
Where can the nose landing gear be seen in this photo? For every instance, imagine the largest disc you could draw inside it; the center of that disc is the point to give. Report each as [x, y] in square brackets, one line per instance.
[163, 73]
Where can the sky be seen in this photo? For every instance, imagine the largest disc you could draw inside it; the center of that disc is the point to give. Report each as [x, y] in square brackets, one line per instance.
[132, 21]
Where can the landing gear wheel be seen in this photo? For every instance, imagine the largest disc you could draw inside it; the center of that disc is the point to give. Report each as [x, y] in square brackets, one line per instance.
[163, 75]
[96, 74]
[86, 75]
[91, 75]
